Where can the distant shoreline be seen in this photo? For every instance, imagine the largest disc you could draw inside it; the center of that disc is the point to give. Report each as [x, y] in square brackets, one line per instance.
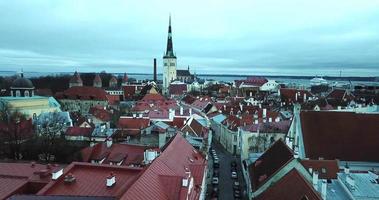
[337, 78]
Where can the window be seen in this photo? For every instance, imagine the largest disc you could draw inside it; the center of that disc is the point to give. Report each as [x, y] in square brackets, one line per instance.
[165, 64]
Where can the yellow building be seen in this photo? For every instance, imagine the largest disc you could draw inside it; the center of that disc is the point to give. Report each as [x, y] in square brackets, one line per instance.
[23, 100]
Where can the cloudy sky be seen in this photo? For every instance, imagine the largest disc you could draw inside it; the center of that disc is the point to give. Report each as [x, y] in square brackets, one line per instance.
[313, 37]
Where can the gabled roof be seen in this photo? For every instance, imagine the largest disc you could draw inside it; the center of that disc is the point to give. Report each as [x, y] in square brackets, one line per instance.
[91, 180]
[291, 186]
[153, 97]
[161, 179]
[289, 94]
[196, 128]
[127, 153]
[345, 136]
[101, 113]
[84, 93]
[327, 169]
[79, 131]
[267, 165]
[177, 89]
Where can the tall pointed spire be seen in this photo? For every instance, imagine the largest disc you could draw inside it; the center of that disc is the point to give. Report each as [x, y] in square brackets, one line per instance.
[170, 48]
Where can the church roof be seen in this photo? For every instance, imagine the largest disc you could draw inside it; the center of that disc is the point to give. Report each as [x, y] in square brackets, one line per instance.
[181, 72]
[170, 47]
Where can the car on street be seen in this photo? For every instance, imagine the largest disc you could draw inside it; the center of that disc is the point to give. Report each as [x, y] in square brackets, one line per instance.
[236, 185]
[234, 175]
[215, 180]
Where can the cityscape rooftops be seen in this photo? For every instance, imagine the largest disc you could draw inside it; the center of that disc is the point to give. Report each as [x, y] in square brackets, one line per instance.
[84, 179]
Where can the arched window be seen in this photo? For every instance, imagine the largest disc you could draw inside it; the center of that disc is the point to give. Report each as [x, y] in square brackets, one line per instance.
[18, 93]
[26, 93]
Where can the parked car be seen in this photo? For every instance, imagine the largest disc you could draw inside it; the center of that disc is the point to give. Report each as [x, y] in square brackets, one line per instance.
[233, 164]
[236, 185]
[234, 175]
[215, 181]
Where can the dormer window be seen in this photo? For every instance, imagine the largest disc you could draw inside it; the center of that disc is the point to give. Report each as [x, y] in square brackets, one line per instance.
[26, 93]
[18, 93]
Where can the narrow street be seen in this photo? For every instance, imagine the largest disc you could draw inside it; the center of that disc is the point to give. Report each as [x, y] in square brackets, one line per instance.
[225, 179]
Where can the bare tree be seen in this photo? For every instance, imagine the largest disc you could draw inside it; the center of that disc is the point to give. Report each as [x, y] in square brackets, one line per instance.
[49, 130]
[15, 129]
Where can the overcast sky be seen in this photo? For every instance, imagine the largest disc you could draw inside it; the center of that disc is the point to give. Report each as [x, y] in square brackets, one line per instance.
[310, 37]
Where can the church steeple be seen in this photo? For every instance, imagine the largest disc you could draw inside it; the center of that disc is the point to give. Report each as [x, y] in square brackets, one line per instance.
[170, 48]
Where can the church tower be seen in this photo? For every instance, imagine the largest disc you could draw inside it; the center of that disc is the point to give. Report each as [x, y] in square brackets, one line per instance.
[169, 62]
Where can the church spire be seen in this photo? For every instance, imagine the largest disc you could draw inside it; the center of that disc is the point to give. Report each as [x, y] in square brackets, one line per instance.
[170, 49]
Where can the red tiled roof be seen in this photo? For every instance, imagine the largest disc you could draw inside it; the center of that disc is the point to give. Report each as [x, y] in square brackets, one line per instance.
[84, 93]
[79, 131]
[252, 81]
[129, 154]
[91, 180]
[291, 186]
[153, 97]
[129, 91]
[345, 136]
[196, 128]
[178, 89]
[101, 113]
[272, 160]
[327, 169]
[289, 95]
[16, 178]
[155, 182]
[133, 123]
[189, 99]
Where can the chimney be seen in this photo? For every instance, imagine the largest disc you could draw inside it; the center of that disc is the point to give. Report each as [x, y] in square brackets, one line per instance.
[305, 97]
[241, 106]
[69, 179]
[181, 110]
[315, 179]
[150, 155]
[190, 111]
[310, 170]
[111, 180]
[347, 169]
[171, 114]
[56, 174]
[323, 189]
[186, 179]
[109, 142]
[155, 70]
[296, 97]
[264, 113]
